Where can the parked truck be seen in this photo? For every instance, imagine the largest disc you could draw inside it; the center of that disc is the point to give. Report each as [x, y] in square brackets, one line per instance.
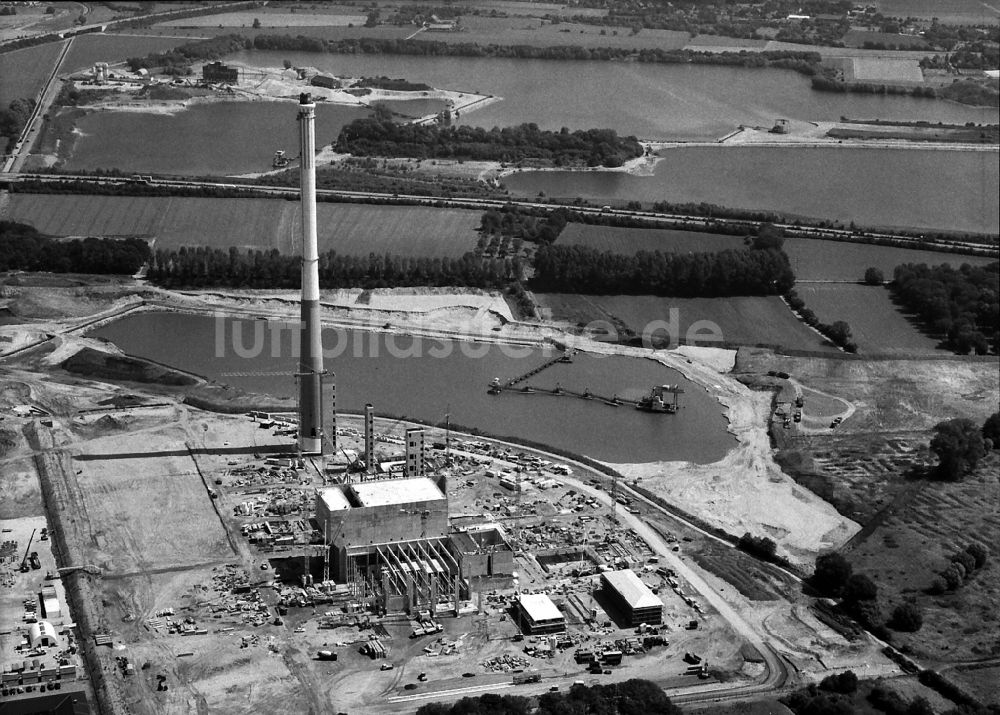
[522, 678]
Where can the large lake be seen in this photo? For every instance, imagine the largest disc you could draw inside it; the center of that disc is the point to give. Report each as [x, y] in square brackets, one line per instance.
[405, 376]
[651, 101]
[206, 139]
[896, 187]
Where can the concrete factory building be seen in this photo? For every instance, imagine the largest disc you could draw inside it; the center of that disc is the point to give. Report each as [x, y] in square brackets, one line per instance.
[389, 542]
[482, 550]
[634, 598]
[537, 614]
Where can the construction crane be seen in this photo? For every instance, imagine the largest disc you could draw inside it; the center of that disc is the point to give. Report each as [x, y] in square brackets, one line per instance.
[24, 561]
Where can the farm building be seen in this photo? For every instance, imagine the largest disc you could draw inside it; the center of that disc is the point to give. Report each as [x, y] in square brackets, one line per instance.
[218, 72]
[637, 602]
[537, 614]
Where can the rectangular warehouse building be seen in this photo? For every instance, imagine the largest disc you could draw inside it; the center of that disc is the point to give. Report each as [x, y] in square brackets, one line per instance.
[634, 598]
[537, 614]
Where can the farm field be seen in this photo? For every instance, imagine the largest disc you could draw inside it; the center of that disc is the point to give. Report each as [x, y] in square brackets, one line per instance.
[741, 321]
[273, 19]
[356, 229]
[961, 12]
[22, 72]
[876, 323]
[812, 259]
[112, 48]
[858, 38]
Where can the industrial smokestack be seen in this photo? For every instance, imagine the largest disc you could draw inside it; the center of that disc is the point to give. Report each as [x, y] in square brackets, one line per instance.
[310, 370]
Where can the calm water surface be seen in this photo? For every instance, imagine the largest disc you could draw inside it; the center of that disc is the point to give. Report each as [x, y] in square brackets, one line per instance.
[897, 187]
[425, 387]
[647, 100]
[219, 138]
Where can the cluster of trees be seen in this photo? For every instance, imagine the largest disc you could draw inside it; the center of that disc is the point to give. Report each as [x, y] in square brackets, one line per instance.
[378, 135]
[580, 269]
[23, 248]
[962, 304]
[208, 267]
[827, 84]
[834, 577]
[839, 331]
[181, 57]
[832, 696]
[961, 568]
[522, 301]
[760, 546]
[630, 696]
[14, 117]
[398, 85]
[959, 445]
[529, 224]
[716, 18]
[891, 703]
[131, 188]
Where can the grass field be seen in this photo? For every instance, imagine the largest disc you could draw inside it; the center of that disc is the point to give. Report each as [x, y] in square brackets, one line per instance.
[88, 49]
[252, 223]
[22, 72]
[915, 542]
[741, 321]
[876, 323]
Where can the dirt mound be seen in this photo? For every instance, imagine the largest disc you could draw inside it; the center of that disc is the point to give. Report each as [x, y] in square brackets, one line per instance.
[108, 423]
[93, 363]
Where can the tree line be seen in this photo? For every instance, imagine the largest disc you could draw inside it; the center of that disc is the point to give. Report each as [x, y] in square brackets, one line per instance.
[961, 304]
[23, 248]
[581, 269]
[380, 136]
[182, 56]
[204, 267]
[631, 696]
[805, 62]
[14, 117]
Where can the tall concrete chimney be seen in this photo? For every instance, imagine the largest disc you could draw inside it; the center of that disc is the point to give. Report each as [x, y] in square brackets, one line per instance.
[310, 370]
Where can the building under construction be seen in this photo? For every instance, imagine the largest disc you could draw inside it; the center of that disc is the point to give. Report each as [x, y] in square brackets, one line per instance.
[389, 542]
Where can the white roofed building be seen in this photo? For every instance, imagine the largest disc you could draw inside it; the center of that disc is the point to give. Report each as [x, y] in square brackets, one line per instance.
[538, 614]
[637, 602]
[42, 634]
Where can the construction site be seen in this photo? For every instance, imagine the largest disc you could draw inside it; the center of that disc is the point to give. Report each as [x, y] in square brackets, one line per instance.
[158, 557]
